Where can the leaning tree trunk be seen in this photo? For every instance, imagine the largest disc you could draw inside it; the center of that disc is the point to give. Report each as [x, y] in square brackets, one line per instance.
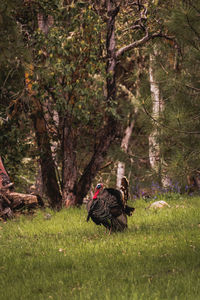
[109, 131]
[107, 137]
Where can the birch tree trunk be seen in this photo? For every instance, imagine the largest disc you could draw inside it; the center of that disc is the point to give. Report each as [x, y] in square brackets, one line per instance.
[128, 132]
[154, 145]
[129, 129]
[124, 146]
[155, 159]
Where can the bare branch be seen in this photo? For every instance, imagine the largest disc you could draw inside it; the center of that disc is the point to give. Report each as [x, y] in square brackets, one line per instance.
[142, 41]
[135, 44]
[133, 27]
[106, 165]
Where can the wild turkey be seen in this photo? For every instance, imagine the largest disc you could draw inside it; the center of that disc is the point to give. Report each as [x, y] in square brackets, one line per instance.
[109, 207]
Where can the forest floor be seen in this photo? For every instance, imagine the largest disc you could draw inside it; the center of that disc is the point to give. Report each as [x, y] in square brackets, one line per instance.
[58, 255]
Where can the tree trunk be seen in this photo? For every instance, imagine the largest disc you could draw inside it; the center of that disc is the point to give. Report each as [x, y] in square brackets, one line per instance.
[124, 146]
[107, 137]
[49, 177]
[109, 131]
[48, 169]
[156, 162]
[154, 146]
[128, 132]
[112, 11]
[69, 164]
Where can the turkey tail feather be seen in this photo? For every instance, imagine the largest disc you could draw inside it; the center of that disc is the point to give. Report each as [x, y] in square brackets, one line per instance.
[129, 210]
[124, 189]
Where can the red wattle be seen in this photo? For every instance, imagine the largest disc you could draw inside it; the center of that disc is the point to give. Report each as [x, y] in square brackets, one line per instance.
[96, 194]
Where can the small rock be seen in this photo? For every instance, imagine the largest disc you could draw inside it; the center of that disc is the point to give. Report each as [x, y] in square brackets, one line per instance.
[159, 204]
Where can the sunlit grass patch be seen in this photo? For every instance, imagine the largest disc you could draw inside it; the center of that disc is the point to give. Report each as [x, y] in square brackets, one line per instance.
[61, 256]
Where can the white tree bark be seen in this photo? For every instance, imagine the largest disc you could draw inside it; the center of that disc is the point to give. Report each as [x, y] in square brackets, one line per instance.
[154, 145]
[157, 108]
[124, 147]
[120, 173]
[127, 135]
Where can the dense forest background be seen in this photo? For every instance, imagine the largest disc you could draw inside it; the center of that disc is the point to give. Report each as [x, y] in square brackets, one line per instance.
[95, 90]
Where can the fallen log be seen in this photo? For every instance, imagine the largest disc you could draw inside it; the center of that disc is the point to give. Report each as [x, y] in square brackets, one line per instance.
[11, 202]
[22, 199]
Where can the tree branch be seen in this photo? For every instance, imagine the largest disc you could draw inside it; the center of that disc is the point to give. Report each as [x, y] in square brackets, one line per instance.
[142, 41]
[135, 44]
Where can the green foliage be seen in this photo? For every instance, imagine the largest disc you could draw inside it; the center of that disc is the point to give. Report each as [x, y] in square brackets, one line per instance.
[66, 67]
[65, 70]
[14, 125]
[61, 256]
[10, 32]
[68, 62]
[11, 56]
[180, 86]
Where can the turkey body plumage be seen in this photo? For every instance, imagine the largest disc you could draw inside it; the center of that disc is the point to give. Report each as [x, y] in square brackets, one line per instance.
[109, 209]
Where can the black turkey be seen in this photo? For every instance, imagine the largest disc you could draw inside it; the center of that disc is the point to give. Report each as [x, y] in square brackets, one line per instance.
[109, 207]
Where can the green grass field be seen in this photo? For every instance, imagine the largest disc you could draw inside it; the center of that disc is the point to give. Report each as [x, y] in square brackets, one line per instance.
[63, 257]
